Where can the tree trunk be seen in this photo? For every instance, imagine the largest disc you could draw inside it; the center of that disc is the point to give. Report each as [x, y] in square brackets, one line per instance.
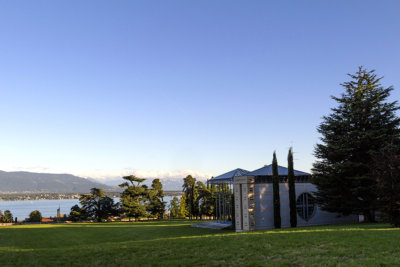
[369, 216]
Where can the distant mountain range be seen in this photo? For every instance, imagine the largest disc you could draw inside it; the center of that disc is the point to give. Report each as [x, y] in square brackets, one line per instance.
[31, 182]
[169, 184]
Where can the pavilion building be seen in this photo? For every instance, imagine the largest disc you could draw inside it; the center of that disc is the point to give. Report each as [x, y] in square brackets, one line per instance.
[253, 200]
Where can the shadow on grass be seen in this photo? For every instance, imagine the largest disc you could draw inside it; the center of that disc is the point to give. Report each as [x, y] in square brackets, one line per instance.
[108, 234]
[176, 243]
[86, 234]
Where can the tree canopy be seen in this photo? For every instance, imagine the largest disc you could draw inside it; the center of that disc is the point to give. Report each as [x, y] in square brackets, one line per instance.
[135, 196]
[156, 206]
[77, 214]
[35, 216]
[6, 217]
[361, 125]
[191, 193]
[174, 207]
[97, 205]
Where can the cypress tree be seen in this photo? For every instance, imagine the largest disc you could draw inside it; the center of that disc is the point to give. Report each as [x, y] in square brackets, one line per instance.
[362, 124]
[275, 187]
[292, 190]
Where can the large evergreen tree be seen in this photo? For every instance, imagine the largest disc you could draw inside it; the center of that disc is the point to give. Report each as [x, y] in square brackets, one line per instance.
[97, 205]
[35, 216]
[202, 197]
[206, 199]
[292, 190]
[174, 207]
[134, 198]
[7, 218]
[91, 203]
[183, 212]
[191, 194]
[77, 214]
[275, 187]
[352, 135]
[156, 205]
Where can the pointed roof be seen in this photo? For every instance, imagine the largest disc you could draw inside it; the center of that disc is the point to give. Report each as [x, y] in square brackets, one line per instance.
[282, 171]
[228, 176]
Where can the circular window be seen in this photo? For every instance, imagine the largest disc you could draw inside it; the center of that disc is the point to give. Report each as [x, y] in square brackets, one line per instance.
[305, 206]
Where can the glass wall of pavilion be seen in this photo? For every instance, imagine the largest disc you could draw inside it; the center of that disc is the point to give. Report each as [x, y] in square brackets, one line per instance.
[224, 205]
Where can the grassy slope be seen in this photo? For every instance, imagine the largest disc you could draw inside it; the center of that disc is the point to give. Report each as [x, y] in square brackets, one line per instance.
[176, 243]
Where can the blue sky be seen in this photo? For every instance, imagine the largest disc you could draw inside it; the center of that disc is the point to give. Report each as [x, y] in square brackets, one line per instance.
[167, 88]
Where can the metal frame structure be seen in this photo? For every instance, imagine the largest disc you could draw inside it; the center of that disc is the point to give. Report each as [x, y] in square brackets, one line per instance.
[224, 197]
[223, 202]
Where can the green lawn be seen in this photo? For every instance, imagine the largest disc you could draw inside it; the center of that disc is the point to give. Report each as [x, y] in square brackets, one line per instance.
[176, 243]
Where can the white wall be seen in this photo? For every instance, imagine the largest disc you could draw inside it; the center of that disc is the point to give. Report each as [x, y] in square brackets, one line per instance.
[264, 210]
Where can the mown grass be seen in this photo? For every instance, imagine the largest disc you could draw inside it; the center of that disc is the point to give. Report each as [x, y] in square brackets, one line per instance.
[175, 243]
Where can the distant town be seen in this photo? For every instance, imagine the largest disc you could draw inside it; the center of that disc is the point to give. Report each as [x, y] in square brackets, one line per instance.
[58, 196]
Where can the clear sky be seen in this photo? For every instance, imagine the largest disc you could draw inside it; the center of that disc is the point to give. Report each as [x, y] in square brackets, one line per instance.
[165, 88]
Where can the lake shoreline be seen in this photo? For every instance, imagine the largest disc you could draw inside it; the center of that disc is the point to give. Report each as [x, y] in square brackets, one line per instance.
[62, 196]
[47, 207]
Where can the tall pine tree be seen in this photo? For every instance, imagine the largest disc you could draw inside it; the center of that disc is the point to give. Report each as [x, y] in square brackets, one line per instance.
[352, 135]
[292, 190]
[135, 196]
[191, 194]
[275, 187]
[156, 205]
[183, 212]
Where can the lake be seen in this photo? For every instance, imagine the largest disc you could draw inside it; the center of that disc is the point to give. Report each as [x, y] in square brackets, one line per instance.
[22, 208]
